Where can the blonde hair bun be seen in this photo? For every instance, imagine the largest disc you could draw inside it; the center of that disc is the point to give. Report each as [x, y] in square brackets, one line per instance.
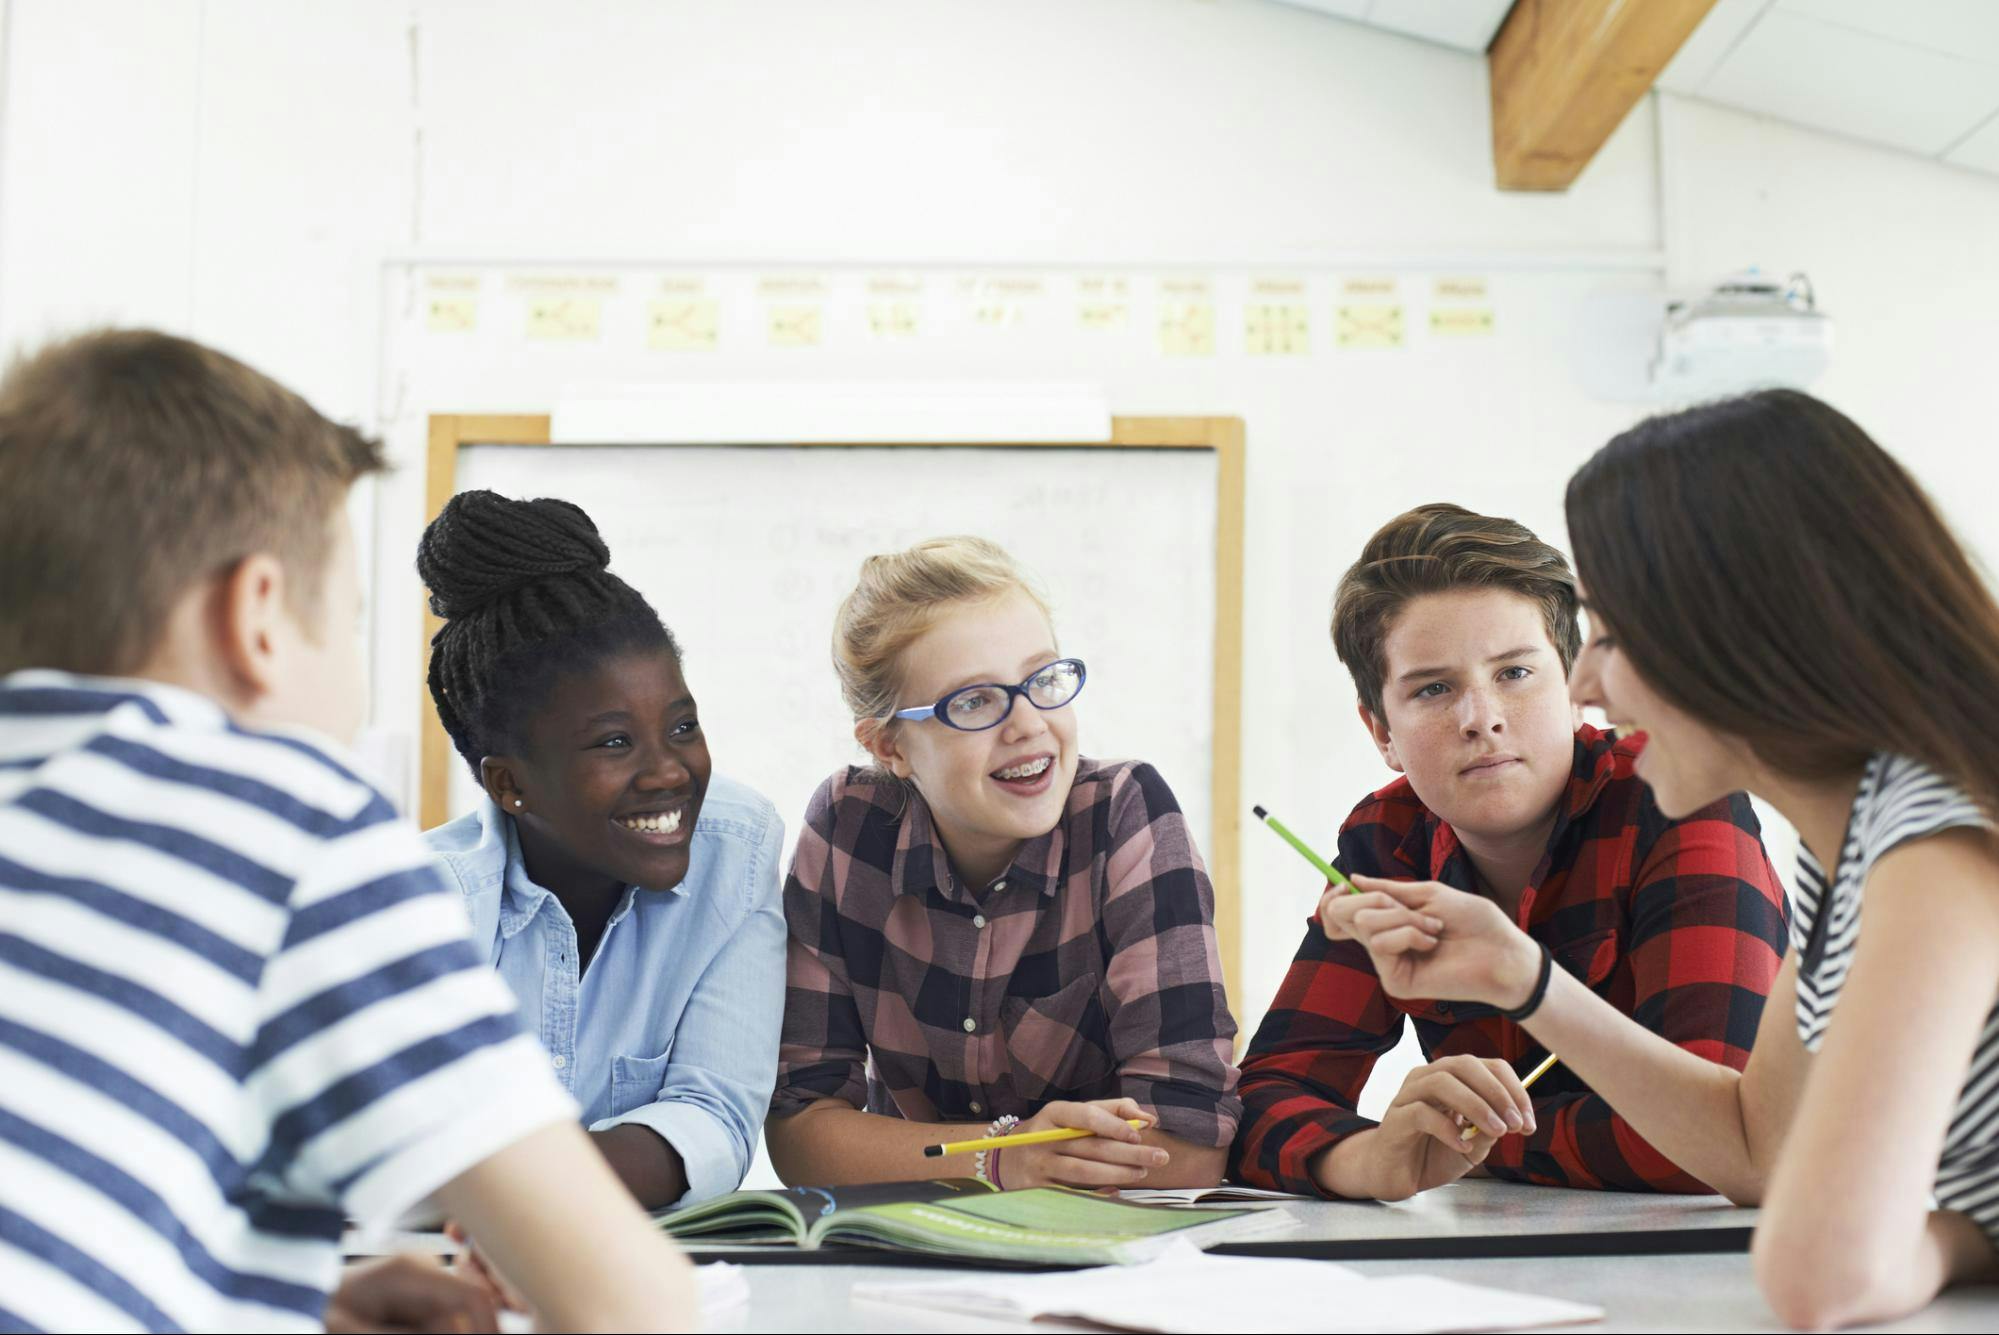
[899, 596]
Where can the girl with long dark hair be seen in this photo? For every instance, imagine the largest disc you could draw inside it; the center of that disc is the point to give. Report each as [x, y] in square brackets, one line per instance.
[1778, 607]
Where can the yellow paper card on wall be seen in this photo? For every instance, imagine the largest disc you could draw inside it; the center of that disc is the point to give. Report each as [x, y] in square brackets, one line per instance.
[1098, 315]
[1103, 301]
[1187, 328]
[1370, 325]
[1277, 329]
[997, 314]
[453, 315]
[685, 324]
[893, 319]
[796, 326]
[1461, 321]
[568, 318]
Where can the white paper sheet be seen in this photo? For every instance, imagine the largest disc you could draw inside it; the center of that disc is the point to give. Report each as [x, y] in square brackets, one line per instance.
[1185, 1289]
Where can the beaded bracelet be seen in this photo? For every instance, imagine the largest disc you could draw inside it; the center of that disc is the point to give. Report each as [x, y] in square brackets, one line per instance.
[980, 1163]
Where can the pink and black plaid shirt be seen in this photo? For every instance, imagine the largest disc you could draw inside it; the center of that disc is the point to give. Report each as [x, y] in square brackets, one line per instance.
[1088, 970]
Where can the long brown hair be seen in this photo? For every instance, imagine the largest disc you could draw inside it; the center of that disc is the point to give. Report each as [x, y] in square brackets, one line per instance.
[1772, 571]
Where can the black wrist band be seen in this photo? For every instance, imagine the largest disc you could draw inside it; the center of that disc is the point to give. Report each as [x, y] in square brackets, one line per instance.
[1540, 992]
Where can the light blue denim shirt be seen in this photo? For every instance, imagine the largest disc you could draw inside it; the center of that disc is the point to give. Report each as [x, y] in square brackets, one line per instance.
[675, 1023]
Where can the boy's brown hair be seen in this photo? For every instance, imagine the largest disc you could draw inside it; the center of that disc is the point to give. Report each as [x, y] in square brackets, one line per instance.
[133, 465]
[1434, 549]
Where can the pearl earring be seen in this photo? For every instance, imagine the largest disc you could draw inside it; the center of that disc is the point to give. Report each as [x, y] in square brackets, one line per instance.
[517, 801]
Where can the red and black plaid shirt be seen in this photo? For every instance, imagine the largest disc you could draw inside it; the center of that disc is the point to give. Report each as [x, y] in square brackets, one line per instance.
[1679, 924]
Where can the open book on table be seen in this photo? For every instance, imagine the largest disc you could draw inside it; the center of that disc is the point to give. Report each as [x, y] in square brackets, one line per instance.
[1228, 1193]
[957, 1217]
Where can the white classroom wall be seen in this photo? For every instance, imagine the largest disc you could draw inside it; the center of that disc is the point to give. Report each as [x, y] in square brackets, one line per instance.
[237, 170]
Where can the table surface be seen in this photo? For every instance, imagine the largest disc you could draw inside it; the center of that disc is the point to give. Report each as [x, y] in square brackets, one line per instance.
[1709, 1292]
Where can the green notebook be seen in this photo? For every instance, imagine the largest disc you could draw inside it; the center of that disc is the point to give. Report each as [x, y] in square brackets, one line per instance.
[958, 1217]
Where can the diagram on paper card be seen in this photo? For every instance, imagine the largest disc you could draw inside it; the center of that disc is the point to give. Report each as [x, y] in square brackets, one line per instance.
[1370, 325]
[1461, 321]
[1187, 328]
[453, 315]
[1277, 329]
[796, 325]
[893, 319]
[565, 318]
[690, 324]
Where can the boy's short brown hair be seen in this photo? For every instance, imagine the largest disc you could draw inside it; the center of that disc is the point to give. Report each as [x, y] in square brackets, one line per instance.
[133, 465]
[1433, 549]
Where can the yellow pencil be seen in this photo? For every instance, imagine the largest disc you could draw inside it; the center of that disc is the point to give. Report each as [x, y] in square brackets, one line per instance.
[1528, 1083]
[1019, 1138]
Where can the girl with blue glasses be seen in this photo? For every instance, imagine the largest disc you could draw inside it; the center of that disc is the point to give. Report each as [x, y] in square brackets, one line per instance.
[987, 927]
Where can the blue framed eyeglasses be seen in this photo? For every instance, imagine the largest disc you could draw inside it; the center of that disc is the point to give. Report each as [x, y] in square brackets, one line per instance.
[976, 708]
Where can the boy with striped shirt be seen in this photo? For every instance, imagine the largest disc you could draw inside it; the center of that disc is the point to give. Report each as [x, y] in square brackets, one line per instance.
[237, 1005]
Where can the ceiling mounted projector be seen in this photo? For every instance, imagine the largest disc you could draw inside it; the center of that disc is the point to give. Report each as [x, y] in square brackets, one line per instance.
[1750, 332]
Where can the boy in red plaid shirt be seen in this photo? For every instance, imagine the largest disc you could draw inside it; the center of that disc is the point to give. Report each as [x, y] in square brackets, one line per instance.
[1460, 630]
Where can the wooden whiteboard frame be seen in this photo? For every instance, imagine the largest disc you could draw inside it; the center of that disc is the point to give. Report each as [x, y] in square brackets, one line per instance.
[451, 432]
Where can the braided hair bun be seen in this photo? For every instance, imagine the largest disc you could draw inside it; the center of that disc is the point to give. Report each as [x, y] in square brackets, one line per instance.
[526, 594]
[484, 546]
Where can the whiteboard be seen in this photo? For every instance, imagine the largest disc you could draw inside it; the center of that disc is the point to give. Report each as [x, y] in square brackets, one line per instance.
[746, 552]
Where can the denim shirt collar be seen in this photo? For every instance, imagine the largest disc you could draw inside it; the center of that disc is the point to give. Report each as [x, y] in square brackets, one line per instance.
[520, 897]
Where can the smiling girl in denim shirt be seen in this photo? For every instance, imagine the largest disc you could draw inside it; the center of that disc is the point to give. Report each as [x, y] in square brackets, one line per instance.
[625, 891]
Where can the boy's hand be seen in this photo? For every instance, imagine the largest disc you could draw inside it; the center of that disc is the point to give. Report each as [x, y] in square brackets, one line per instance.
[1420, 1142]
[409, 1293]
[1113, 1156]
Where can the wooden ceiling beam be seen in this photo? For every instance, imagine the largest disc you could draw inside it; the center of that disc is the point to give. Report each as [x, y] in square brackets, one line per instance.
[1565, 73]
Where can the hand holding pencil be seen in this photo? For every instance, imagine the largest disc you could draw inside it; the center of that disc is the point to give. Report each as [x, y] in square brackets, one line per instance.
[1427, 940]
[1096, 1144]
[1016, 1139]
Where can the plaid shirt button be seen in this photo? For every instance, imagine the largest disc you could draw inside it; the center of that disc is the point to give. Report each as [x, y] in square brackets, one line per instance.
[978, 920]
[970, 1024]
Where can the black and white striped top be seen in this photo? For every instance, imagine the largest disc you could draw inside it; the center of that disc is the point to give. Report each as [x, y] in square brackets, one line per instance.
[1899, 799]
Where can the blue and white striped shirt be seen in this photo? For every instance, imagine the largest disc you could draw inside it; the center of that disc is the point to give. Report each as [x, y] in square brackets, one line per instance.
[236, 1004]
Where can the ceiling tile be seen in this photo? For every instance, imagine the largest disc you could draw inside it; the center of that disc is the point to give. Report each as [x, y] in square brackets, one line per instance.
[1702, 52]
[1968, 28]
[1466, 24]
[1346, 9]
[1834, 78]
[1981, 150]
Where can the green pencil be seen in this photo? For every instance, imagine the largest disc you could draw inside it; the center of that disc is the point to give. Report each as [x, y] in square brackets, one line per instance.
[1325, 868]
